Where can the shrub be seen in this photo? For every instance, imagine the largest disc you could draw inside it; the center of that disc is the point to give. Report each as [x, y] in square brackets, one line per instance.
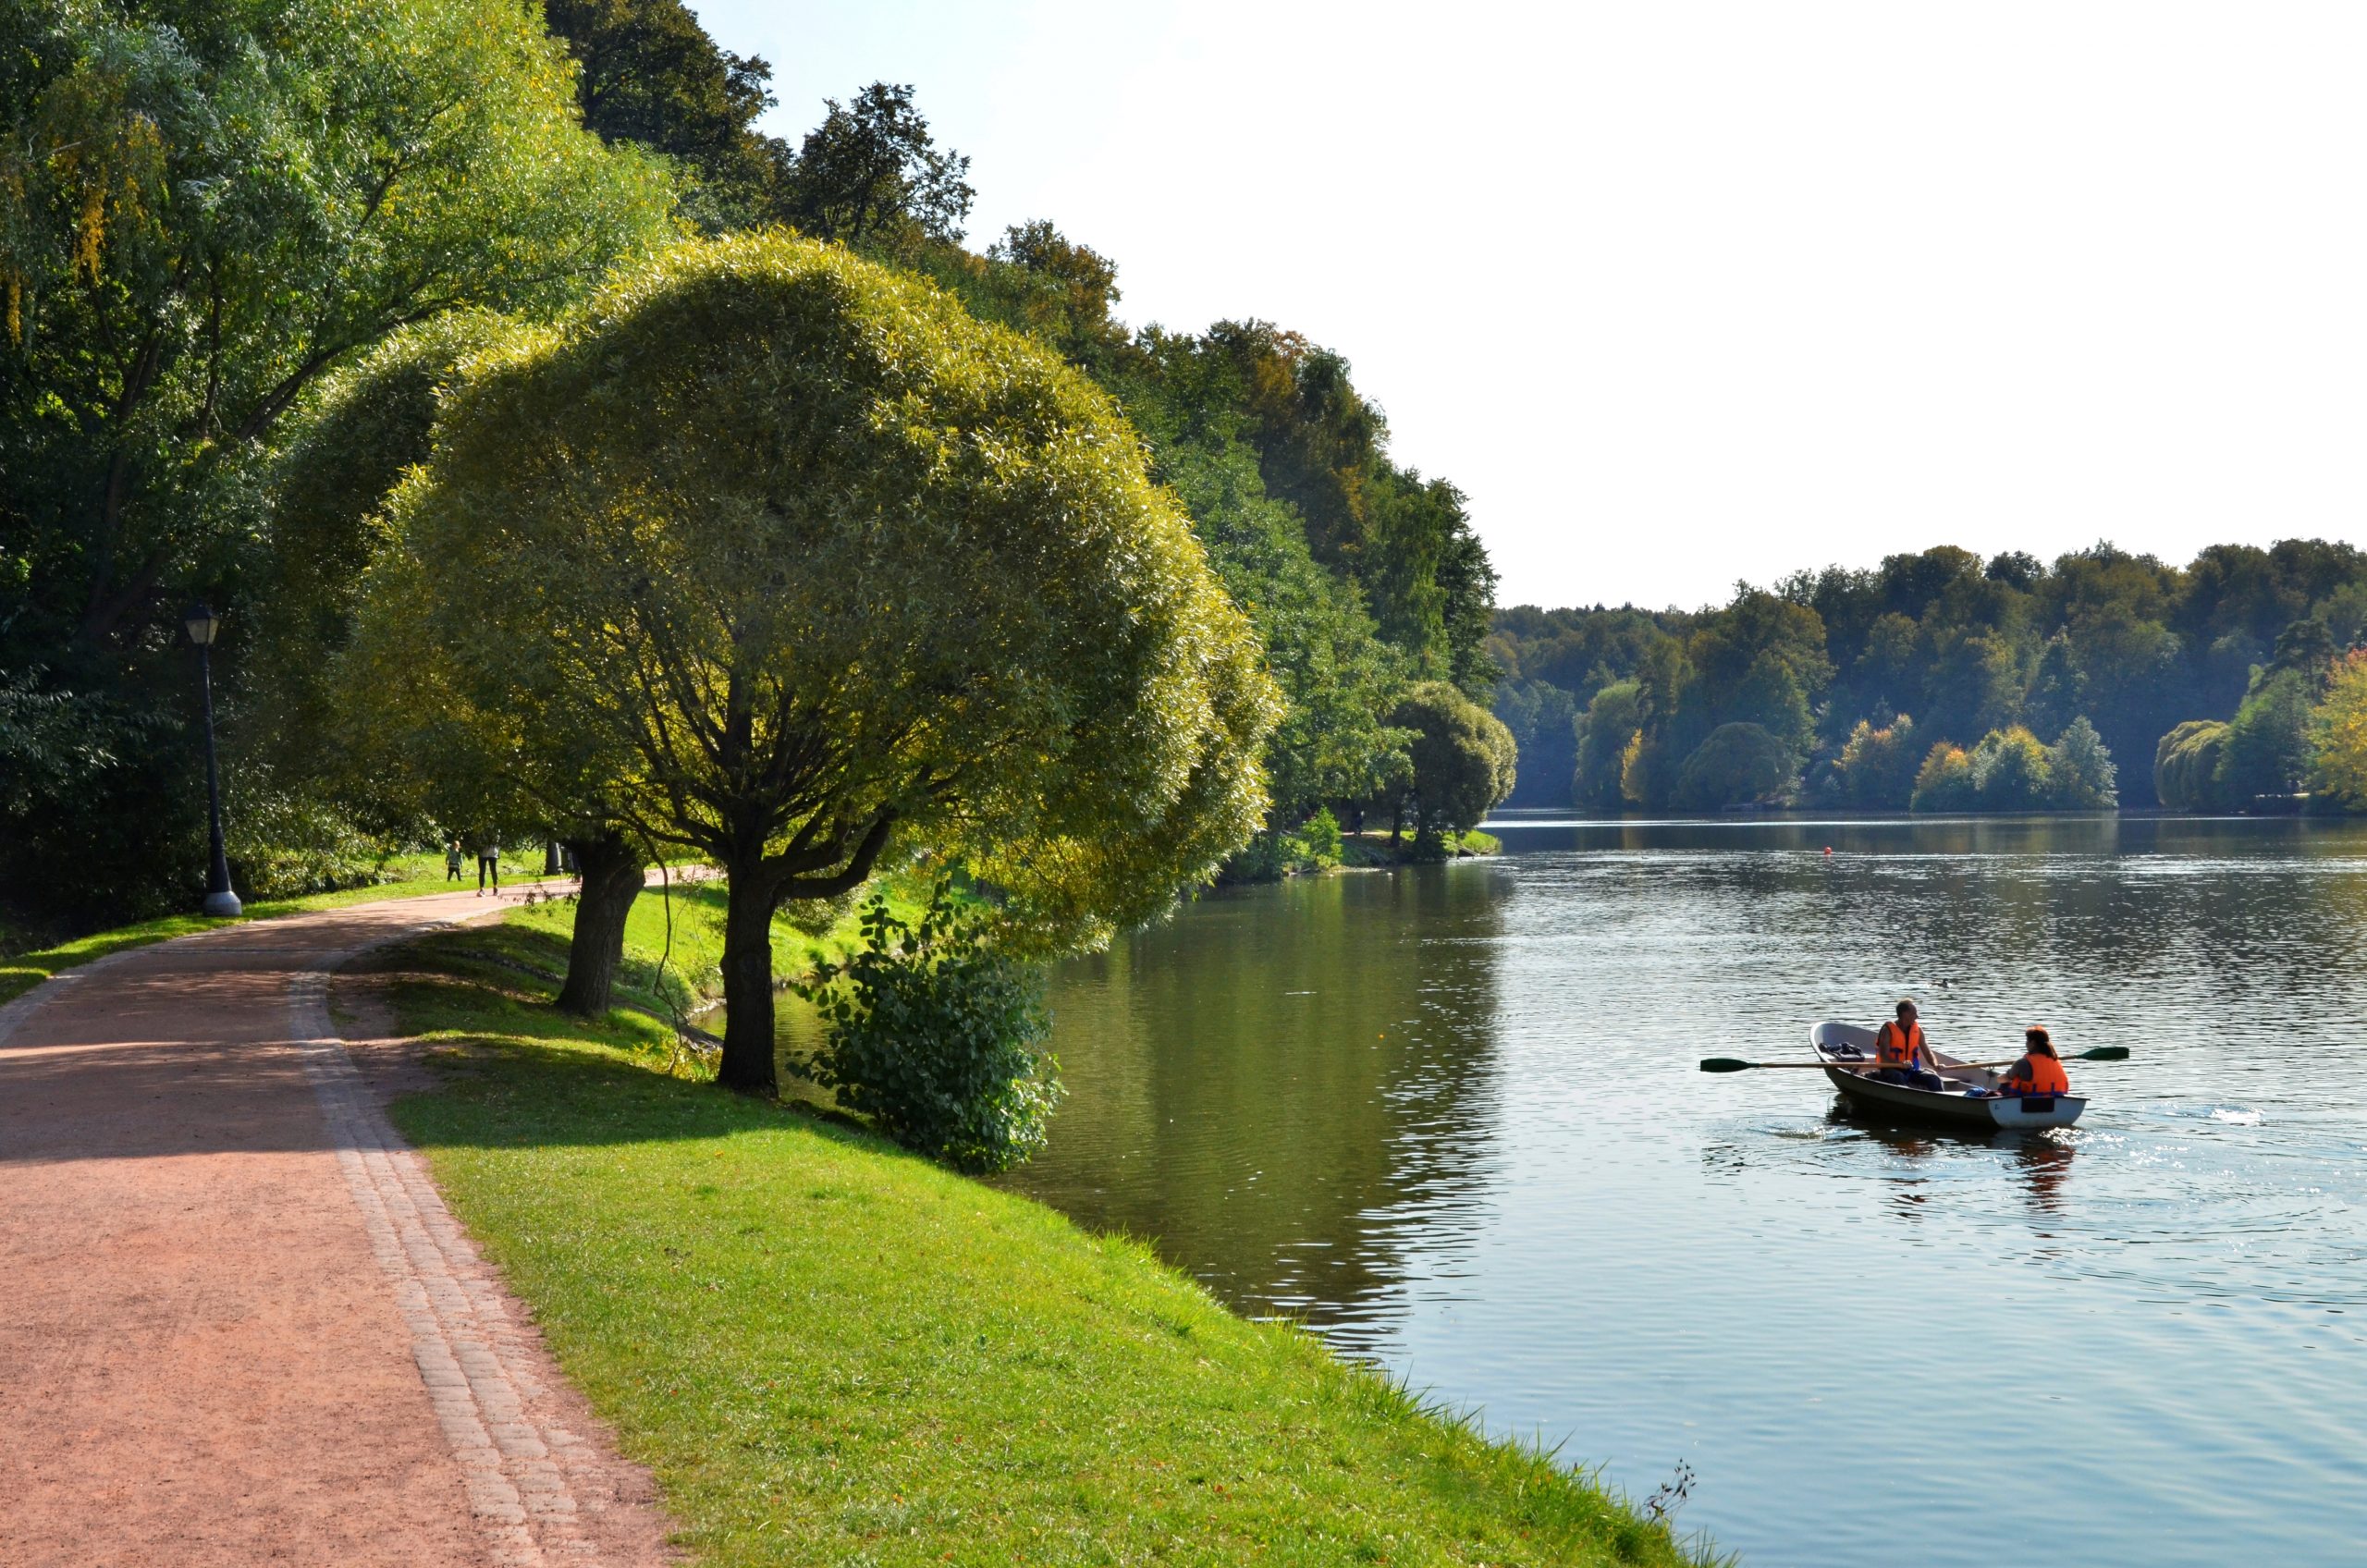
[2185, 766]
[1876, 769]
[936, 1036]
[2268, 748]
[1607, 733]
[1738, 763]
[2010, 771]
[2083, 775]
[1319, 840]
[1944, 781]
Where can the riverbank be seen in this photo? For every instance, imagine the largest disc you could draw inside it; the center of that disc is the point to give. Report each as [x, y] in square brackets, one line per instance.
[830, 1351]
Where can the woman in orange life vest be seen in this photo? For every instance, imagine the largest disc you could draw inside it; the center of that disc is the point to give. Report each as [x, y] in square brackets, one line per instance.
[1901, 1054]
[2040, 1072]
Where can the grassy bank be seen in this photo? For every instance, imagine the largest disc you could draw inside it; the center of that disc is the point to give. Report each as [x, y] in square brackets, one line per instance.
[411, 876]
[832, 1352]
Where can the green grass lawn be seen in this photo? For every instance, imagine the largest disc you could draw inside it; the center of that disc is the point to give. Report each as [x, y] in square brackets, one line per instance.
[413, 875]
[830, 1351]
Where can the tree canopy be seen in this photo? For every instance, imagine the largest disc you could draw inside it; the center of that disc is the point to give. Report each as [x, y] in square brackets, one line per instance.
[828, 564]
[204, 209]
[1830, 660]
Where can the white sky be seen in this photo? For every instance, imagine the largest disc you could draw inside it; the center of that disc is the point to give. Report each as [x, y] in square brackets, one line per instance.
[1680, 293]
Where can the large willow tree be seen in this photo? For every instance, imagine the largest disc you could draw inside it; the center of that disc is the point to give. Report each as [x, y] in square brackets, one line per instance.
[832, 567]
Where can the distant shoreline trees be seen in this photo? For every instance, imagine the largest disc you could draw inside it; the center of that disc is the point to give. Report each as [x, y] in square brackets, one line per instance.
[2024, 681]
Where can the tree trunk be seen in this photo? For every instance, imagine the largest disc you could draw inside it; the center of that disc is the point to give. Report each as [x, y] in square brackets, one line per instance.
[748, 989]
[612, 870]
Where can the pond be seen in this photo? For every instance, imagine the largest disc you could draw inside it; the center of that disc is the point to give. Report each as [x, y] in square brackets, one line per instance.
[1451, 1119]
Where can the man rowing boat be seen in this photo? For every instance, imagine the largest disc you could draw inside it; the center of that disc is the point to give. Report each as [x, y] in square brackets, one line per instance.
[1900, 1055]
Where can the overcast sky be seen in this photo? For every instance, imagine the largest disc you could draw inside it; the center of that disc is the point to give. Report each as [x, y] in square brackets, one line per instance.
[1680, 293]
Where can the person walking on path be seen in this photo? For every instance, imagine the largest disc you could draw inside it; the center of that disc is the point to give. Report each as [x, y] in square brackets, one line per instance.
[489, 865]
[452, 859]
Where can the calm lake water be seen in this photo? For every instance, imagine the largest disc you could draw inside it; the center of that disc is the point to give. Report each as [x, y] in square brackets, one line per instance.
[1452, 1119]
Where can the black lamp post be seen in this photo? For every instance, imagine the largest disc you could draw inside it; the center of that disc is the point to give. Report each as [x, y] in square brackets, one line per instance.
[203, 624]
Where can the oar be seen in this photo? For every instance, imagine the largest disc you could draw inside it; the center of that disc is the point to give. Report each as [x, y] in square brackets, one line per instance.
[1735, 1064]
[2102, 1053]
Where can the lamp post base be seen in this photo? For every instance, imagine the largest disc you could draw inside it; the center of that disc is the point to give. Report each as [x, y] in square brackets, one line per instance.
[224, 905]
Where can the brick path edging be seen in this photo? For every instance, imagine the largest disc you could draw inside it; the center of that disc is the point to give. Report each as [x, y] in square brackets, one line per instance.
[518, 1461]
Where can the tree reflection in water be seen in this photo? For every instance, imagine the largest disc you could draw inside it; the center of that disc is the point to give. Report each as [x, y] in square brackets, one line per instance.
[1284, 1086]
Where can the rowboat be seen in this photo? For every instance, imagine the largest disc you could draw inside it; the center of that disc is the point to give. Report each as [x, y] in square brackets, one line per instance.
[1847, 1053]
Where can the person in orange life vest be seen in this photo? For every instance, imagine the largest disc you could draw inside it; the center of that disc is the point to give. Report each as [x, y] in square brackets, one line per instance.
[2040, 1072]
[1901, 1054]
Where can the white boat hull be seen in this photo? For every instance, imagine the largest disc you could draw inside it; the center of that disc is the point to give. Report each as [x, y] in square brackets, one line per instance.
[1847, 1051]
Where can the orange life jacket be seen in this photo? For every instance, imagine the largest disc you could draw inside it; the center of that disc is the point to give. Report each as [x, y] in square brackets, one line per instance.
[2036, 1074]
[1895, 1047]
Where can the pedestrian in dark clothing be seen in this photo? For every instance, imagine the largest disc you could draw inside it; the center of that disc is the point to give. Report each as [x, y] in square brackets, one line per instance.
[452, 860]
[489, 865]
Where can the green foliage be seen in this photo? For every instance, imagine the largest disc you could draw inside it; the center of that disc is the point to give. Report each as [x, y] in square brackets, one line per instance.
[1875, 770]
[1464, 759]
[2187, 767]
[1945, 782]
[2121, 640]
[204, 210]
[1544, 723]
[1612, 727]
[1321, 834]
[346, 447]
[811, 558]
[871, 175]
[2010, 772]
[2081, 769]
[1740, 763]
[1761, 661]
[1337, 680]
[936, 1036]
[650, 74]
[1315, 845]
[2268, 745]
[2338, 733]
[2058, 689]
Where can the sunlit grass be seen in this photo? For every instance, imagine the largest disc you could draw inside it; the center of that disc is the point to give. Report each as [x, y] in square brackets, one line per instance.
[830, 1351]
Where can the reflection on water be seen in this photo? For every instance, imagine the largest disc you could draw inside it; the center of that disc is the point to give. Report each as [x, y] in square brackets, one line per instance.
[1452, 1119]
[1311, 1091]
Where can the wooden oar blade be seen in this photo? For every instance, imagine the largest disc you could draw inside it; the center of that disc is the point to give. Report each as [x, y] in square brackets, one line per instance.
[1725, 1064]
[2103, 1053]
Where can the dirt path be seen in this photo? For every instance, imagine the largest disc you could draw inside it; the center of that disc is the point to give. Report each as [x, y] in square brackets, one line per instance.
[237, 1324]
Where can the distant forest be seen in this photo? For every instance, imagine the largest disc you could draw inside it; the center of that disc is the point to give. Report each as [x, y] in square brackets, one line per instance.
[1940, 682]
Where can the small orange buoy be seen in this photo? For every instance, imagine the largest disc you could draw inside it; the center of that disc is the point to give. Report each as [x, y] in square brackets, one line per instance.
[1828, 849]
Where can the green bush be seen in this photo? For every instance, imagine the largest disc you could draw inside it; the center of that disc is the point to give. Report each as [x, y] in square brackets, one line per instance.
[1875, 771]
[2081, 765]
[2185, 766]
[1737, 764]
[1945, 782]
[2010, 771]
[2268, 752]
[936, 1036]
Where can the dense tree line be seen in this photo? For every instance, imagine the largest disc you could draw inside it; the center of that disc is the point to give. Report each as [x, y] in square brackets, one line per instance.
[1938, 680]
[246, 261]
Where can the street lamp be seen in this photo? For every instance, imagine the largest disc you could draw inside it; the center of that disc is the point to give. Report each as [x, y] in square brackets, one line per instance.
[203, 624]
